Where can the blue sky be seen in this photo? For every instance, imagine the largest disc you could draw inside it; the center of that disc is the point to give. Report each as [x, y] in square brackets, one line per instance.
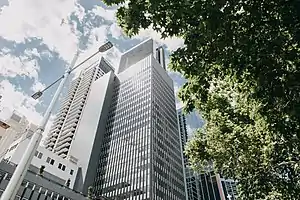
[39, 38]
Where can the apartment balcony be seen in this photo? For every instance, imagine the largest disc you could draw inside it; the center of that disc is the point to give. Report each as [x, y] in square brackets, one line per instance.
[70, 122]
[47, 141]
[64, 155]
[67, 130]
[66, 103]
[53, 127]
[72, 117]
[63, 109]
[54, 131]
[75, 114]
[81, 87]
[48, 137]
[80, 92]
[77, 100]
[50, 133]
[63, 150]
[63, 145]
[77, 105]
[70, 96]
[71, 113]
[51, 143]
[62, 141]
[69, 134]
[86, 83]
[68, 126]
[81, 96]
[75, 111]
[84, 86]
[61, 116]
[58, 119]
[55, 134]
[59, 125]
[73, 86]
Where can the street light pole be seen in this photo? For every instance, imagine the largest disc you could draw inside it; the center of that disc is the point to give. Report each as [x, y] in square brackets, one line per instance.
[21, 169]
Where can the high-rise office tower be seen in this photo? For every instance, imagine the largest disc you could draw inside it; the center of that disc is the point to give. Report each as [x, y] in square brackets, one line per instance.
[190, 177]
[127, 143]
[64, 128]
[208, 185]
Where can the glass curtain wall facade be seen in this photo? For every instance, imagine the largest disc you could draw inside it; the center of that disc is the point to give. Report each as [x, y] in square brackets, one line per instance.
[208, 185]
[61, 134]
[167, 161]
[124, 163]
[192, 183]
[140, 156]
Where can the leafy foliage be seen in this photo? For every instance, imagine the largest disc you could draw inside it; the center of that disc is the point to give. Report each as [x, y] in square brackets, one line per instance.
[241, 60]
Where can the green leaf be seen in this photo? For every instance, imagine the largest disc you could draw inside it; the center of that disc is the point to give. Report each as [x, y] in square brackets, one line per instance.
[241, 60]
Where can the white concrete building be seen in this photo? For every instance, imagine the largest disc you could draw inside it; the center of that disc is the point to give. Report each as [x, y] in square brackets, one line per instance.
[18, 125]
[3, 135]
[53, 163]
[65, 126]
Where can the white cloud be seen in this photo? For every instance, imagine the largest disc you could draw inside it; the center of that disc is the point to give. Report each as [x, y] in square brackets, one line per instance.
[190, 130]
[32, 52]
[97, 38]
[5, 50]
[37, 86]
[172, 43]
[11, 66]
[79, 12]
[108, 14]
[48, 54]
[14, 99]
[113, 56]
[115, 31]
[41, 19]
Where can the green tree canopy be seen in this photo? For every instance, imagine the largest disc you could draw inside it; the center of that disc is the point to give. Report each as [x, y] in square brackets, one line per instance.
[241, 60]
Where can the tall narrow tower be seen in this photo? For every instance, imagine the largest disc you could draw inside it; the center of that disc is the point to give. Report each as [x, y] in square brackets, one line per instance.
[64, 128]
[192, 182]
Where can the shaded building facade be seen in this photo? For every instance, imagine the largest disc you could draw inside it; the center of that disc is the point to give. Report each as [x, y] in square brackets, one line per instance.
[36, 187]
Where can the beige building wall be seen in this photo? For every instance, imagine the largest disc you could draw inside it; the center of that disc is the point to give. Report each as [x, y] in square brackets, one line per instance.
[13, 129]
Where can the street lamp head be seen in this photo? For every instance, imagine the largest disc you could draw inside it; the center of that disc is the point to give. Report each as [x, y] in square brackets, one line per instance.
[37, 95]
[105, 47]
